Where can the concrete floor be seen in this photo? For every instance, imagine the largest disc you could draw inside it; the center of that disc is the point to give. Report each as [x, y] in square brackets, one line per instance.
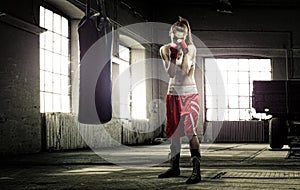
[224, 166]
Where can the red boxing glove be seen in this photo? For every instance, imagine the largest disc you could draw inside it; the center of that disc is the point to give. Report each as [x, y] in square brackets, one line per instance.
[173, 52]
[184, 47]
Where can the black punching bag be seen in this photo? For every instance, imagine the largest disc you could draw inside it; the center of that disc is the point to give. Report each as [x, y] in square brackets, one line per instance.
[95, 87]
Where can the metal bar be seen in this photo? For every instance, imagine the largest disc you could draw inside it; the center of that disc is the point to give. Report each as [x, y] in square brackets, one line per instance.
[88, 8]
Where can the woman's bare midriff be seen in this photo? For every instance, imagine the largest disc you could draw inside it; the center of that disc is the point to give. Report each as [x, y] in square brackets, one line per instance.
[182, 79]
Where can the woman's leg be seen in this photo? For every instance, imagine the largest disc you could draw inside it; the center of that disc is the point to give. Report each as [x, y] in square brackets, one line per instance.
[174, 170]
[195, 154]
[195, 146]
[175, 146]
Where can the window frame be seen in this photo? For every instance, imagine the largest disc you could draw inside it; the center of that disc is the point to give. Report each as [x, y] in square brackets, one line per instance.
[60, 55]
[227, 99]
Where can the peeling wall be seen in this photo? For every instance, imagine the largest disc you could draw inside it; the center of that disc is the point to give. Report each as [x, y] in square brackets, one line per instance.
[139, 132]
[63, 132]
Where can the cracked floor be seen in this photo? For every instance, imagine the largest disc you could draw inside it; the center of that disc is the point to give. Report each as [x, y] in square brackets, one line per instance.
[224, 166]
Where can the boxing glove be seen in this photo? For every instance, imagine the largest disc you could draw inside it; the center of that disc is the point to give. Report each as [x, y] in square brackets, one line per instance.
[184, 47]
[173, 52]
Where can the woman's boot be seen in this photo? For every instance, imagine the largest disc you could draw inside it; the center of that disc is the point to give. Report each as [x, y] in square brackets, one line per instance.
[196, 175]
[174, 170]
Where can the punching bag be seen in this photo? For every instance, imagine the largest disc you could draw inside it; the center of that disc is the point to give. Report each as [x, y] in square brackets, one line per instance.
[95, 80]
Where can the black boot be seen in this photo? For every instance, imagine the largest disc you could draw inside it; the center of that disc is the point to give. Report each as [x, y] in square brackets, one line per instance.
[174, 170]
[196, 176]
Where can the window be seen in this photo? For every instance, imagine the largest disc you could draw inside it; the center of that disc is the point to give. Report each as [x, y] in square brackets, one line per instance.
[129, 79]
[229, 84]
[122, 77]
[138, 86]
[54, 62]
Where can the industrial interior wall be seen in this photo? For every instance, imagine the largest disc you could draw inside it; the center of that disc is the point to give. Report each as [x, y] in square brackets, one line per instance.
[20, 123]
[64, 132]
[249, 31]
[260, 31]
[236, 132]
[21, 126]
[62, 129]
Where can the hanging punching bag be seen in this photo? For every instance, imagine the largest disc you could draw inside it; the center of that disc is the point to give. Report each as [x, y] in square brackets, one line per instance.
[95, 87]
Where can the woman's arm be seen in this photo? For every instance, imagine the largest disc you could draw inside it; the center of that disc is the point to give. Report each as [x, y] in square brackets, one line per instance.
[168, 60]
[189, 59]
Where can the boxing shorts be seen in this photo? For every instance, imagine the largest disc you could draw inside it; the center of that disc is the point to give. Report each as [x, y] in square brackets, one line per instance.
[182, 103]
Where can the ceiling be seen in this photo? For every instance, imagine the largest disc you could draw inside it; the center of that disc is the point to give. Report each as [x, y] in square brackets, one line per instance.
[236, 2]
[71, 7]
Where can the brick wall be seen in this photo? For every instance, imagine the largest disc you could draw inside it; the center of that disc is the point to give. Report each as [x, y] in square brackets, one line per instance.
[20, 128]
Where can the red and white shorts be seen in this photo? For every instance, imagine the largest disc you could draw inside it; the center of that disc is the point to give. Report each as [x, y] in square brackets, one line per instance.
[182, 111]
